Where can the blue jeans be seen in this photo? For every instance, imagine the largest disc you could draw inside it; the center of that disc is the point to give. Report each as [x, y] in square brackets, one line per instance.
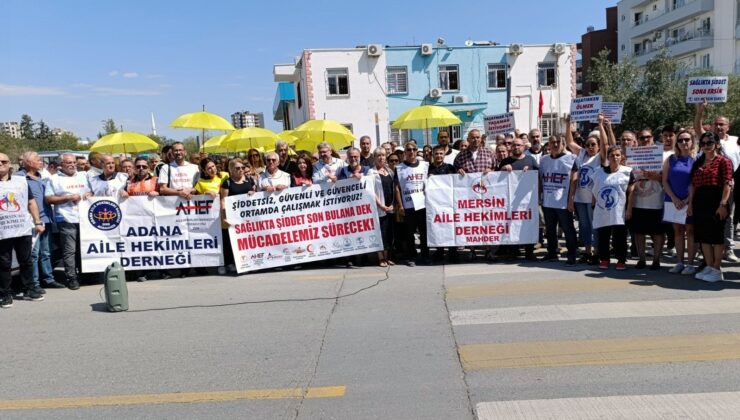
[564, 218]
[588, 235]
[41, 255]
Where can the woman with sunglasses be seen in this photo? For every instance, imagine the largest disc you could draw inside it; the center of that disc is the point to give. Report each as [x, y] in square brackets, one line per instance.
[385, 200]
[237, 183]
[709, 193]
[254, 158]
[588, 161]
[676, 181]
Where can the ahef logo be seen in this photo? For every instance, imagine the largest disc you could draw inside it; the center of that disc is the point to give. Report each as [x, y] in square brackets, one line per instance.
[104, 215]
[9, 203]
[480, 188]
[607, 198]
[196, 207]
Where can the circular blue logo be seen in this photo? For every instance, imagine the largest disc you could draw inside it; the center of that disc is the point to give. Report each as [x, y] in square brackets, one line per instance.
[104, 215]
[607, 198]
[585, 176]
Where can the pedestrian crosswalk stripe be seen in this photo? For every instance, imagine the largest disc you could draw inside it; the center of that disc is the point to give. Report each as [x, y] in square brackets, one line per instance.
[632, 350]
[601, 310]
[713, 405]
[520, 287]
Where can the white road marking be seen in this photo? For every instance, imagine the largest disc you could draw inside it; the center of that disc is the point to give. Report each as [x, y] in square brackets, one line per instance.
[710, 406]
[602, 310]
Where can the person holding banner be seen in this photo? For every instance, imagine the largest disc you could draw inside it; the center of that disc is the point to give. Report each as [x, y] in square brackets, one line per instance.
[302, 176]
[709, 196]
[353, 169]
[325, 170]
[286, 164]
[411, 175]
[555, 177]
[439, 167]
[273, 179]
[19, 216]
[64, 191]
[238, 183]
[385, 200]
[729, 148]
[587, 162]
[179, 176]
[109, 183]
[443, 139]
[143, 182]
[210, 179]
[676, 181]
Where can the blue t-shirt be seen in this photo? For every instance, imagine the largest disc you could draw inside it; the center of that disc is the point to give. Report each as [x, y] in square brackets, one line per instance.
[38, 189]
[679, 175]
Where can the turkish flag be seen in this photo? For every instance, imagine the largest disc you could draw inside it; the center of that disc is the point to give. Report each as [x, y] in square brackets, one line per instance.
[542, 104]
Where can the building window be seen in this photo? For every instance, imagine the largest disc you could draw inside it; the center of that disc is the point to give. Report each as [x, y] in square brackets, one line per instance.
[298, 95]
[397, 79]
[548, 124]
[399, 135]
[337, 82]
[705, 64]
[455, 132]
[448, 77]
[546, 74]
[496, 76]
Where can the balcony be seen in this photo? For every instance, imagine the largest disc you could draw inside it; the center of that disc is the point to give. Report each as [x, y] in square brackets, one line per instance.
[687, 43]
[682, 12]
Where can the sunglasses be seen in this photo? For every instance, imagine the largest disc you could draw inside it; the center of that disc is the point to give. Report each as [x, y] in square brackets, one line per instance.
[411, 150]
[4, 162]
[270, 160]
[393, 160]
[683, 140]
[706, 143]
[254, 155]
[239, 168]
[645, 137]
[508, 143]
[142, 167]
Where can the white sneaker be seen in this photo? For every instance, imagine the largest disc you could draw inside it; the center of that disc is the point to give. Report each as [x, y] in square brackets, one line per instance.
[678, 268]
[731, 257]
[688, 270]
[222, 270]
[714, 275]
[700, 275]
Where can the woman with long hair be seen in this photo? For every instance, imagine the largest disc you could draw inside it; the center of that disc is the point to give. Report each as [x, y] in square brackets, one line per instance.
[303, 174]
[385, 200]
[254, 158]
[210, 179]
[237, 183]
[711, 185]
[676, 181]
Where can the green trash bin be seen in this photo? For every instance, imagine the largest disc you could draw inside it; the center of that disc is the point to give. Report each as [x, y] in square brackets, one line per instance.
[116, 292]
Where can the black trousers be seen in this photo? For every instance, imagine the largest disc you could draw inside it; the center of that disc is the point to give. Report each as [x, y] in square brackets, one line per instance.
[22, 247]
[618, 236]
[415, 220]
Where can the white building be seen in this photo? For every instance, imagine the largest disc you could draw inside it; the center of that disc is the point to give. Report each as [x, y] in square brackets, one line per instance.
[542, 69]
[344, 84]
[11, 128]
[700, 33]
[244, 119]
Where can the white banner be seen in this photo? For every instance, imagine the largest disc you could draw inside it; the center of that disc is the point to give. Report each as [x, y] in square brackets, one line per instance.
[713, 89]
[146, 233]
[585, 108]
[645, 158]
[499, 124]
[612, 111]
[303, 224]
[476, 209]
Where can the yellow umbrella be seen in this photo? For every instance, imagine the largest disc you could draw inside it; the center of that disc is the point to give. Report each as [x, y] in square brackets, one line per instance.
[124, 142]
[250, 138]
[288, 136]
[425, 117]
[215, 145]
[202, 120]
[313, 132]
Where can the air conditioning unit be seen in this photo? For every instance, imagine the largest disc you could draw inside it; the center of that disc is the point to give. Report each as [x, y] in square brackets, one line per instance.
[435, 93]
[516, 49]
[374, 50]
[459, 99]
[558, 49]
[427, 49]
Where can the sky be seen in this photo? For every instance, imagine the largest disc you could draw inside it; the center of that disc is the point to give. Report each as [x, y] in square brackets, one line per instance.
[75, 63]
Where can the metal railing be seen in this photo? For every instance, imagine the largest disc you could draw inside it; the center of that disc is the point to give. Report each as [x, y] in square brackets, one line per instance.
[686, 36]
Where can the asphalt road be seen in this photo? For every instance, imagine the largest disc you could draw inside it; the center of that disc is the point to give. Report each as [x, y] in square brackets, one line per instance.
[439, 342]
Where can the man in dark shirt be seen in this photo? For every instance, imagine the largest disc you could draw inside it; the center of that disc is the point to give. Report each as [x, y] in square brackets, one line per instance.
[518, 161]
[286, 164]
[439, 167]
[367, 158]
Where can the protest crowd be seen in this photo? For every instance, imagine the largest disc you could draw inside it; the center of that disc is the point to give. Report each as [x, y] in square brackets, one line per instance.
[587, 194]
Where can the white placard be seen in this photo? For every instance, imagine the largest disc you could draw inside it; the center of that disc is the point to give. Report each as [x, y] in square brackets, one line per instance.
[585, 108]
[674, 215]
[499, 124]
[482, 209]
[612, 111]
[645, 158]
[713, 89]
[146, 233]
[303, 224]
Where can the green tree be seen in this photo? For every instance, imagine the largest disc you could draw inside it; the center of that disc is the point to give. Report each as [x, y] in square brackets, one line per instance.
[27, 127]
[109, 127]
[654, 95]
[43, 132]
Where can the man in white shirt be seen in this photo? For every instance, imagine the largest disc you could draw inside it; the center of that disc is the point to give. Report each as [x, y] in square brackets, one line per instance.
[535, 148]
[273, 179]
[730, 148]
[64, 190]
[443, 139]
[180, 176]
[325, 170]
[110, 183]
